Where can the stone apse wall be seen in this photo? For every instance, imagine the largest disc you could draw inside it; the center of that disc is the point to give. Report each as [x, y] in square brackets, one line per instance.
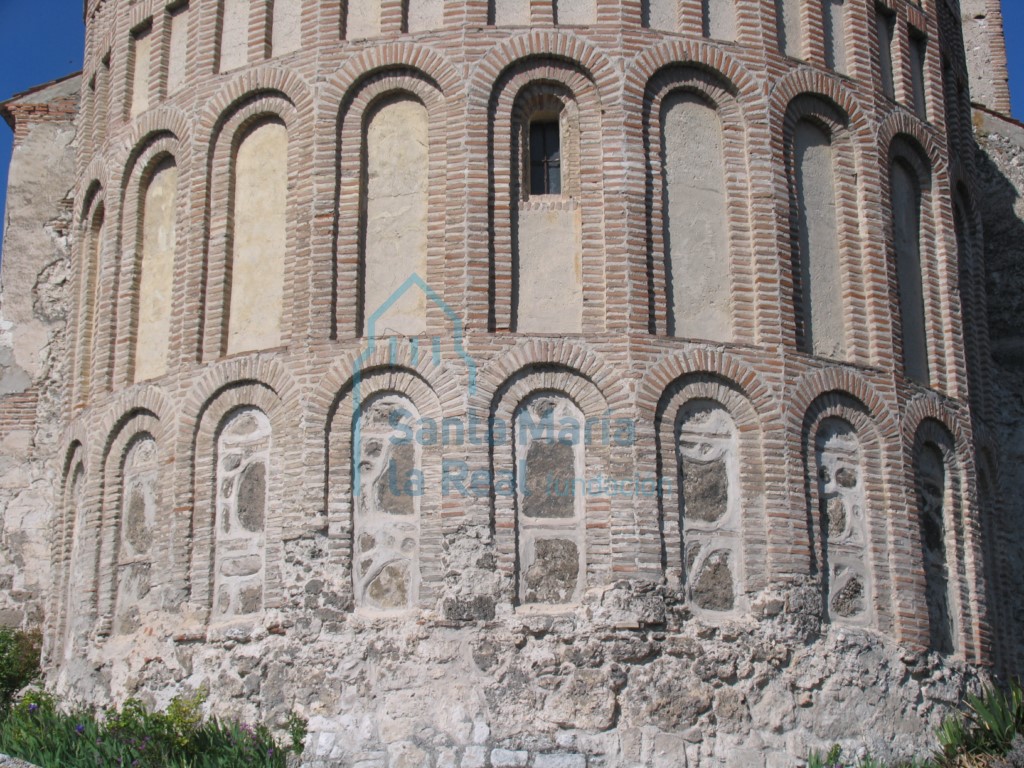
[34, 300]
[595, 383]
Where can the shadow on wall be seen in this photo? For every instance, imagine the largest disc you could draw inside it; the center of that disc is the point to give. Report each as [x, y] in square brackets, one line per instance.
[1004, 246]
[999, 167]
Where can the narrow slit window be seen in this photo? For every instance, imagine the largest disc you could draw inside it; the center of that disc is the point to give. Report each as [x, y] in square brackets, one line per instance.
[918, 56]
[545, 158]
[885, 25]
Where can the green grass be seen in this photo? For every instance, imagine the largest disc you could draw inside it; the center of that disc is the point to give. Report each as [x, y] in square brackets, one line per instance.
[38, 730]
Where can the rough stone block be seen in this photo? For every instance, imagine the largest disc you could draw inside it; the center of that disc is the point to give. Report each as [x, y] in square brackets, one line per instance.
[507, 758]
[474, 757]
[560, 761]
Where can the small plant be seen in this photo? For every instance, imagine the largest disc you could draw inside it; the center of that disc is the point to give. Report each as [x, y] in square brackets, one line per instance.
[986, 729]
[297, 727]
[834, 759]
[19, 662]
[829, 760]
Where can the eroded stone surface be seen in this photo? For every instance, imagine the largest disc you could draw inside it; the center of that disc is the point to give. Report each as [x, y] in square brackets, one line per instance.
[552, 575]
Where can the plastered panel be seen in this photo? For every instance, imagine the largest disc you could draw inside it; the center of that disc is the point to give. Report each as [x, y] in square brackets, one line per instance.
[696, 236]
[363, 19]
[550, 504]
[790, 35]
[178, 50]
[243, 469]
[425, 14]
[140, 73]
[835, 34]
[842, 513]
[257, 275]
[511, 12]
[234, 37]
[821, 286]
[932, 500]
[709, 500]
[139, 509]
[574, 12]
[287, 29]
[720, 19]
[156, 281]
[385, 570]
[661, 14]
[396, 216]
[550, 269]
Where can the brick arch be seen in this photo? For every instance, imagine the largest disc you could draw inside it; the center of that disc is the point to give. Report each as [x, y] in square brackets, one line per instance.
[197, 438]
[531, 71]
[749, 529]
[91, 345]
[143, 159]
[927, 424]
[900, 123]
[712, 86]
[404, 55]
[827, 104]
[713, 59]
[603, 515]
[785, 555]
[339, 379]
[715, 362]
[391, 61]
[811, 82]
[92, 190]
[336, 448]
[915, 148]
[853, 384]
[476, 115]
[154, 124]
[347, 292]
[555, 353]
[970, 273]
[249, 370]
[75, 455]
[760, 326]
[945, 413]
[251, 99]
[337, 382]
[144, 398]
[540, 44]
[929, 418]
[133, 425]
[879, 466]
[270, 373]
[266, 81]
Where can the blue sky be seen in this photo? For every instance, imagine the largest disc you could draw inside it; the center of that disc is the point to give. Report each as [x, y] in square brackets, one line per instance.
[42, 40]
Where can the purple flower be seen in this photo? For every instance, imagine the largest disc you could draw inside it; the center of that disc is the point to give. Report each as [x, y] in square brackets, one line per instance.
[79, 729]
[33, 707]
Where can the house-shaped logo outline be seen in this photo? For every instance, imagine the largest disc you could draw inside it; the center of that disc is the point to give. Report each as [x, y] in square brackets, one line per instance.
[413, 281]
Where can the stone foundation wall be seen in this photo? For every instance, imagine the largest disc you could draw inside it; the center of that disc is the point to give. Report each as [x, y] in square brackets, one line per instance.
[629, 678]
[34, 304]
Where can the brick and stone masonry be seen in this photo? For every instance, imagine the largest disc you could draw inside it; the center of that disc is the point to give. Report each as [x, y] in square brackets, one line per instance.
[542, 383]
